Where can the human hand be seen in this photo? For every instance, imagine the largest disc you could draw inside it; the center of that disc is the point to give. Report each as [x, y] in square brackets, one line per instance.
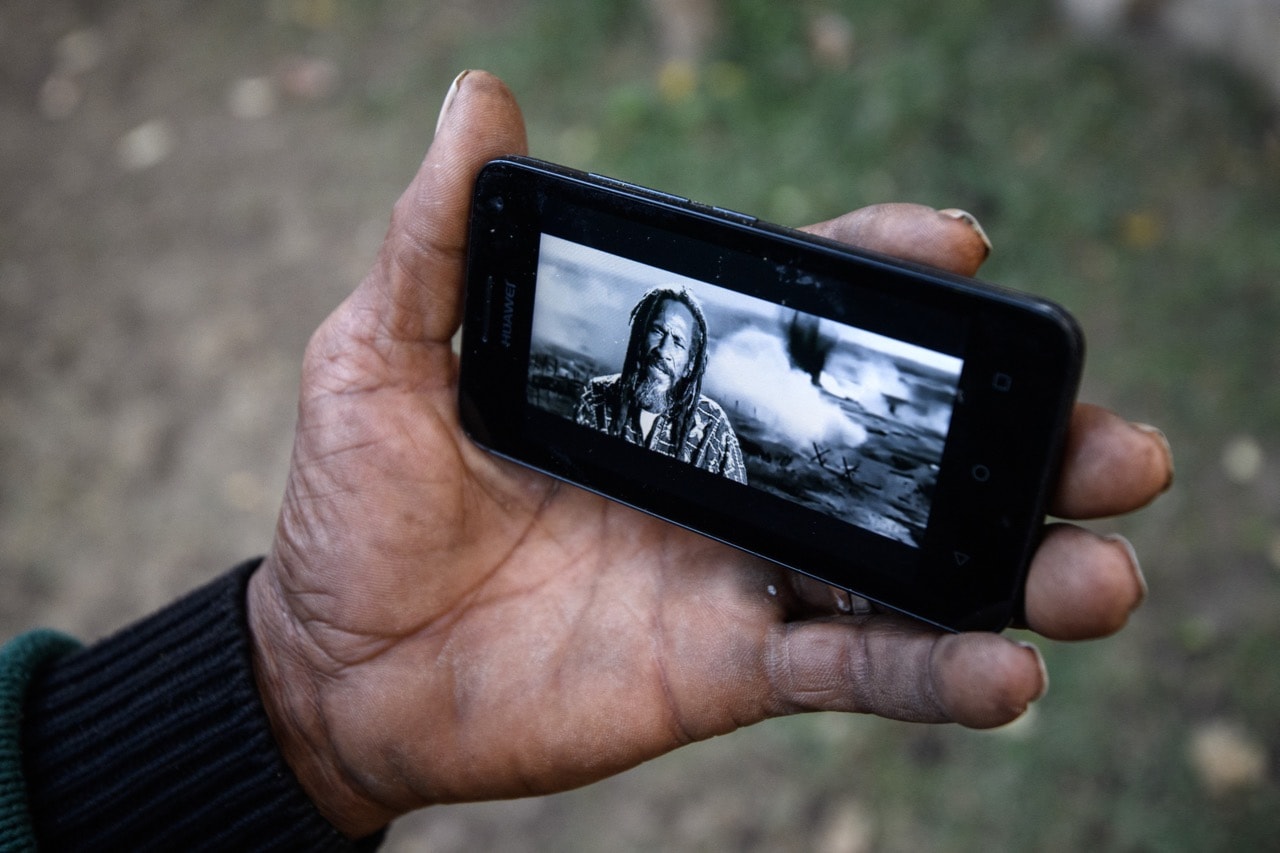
[435, 624]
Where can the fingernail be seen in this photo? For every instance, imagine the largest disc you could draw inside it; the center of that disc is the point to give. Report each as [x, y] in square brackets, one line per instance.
[1134, 565]
[1044, 670]
[448, 99]
[972, 221]
[1163, 441]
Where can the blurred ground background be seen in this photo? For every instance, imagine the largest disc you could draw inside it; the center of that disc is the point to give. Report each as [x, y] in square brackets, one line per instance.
[187, 189]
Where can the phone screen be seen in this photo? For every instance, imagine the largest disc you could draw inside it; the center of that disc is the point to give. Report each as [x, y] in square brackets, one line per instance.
[829, 416]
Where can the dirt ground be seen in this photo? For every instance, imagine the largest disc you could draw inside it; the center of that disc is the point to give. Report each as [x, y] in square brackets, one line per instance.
[158, 289]
[185, 193]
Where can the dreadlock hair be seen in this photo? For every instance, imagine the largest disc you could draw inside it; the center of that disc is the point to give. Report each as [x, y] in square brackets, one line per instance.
[687, 390]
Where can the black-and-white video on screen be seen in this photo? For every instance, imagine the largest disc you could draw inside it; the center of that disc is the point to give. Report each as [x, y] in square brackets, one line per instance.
[832, 417]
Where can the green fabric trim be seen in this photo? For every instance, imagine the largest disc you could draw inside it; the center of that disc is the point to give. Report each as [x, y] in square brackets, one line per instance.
[20, 659]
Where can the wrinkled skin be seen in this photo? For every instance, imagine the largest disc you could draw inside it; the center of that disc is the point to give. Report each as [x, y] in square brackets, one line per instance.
[433, 624]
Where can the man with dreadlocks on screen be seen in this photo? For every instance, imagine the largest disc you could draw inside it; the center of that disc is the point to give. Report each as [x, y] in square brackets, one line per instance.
[657, 400]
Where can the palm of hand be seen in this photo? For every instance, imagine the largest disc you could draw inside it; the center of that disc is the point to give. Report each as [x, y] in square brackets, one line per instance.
[520, 611]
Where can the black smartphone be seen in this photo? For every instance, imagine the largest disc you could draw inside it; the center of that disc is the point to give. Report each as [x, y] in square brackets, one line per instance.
[888, 428]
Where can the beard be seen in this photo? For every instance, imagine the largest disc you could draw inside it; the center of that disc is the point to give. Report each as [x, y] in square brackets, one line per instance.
[653, 394]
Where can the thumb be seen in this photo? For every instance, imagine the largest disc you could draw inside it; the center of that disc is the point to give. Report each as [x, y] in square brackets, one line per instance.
[414, 292]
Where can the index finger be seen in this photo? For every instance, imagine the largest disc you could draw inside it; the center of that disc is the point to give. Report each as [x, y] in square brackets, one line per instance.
[951, 240]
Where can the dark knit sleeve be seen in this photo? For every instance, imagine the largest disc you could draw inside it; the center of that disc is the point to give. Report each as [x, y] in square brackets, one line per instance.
[156, 739]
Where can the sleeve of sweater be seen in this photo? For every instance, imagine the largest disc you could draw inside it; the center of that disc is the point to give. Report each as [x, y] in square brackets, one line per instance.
[156, 739]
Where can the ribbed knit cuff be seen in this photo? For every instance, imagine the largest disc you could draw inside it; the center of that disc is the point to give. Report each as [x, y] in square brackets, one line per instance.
[156, 739]
[20, 659]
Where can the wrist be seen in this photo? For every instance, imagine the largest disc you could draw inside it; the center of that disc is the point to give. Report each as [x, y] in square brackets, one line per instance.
[292, 693]
[156, 737]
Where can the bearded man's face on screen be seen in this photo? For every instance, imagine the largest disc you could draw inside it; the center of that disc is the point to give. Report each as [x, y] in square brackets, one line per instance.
[668, 344]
